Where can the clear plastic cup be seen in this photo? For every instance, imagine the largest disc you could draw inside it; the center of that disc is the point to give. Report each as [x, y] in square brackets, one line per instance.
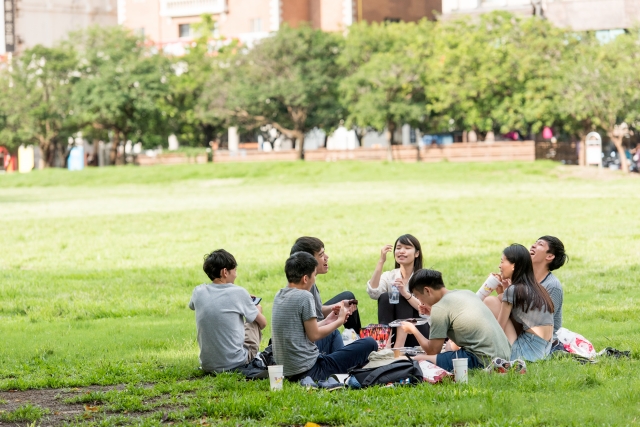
[394, 295]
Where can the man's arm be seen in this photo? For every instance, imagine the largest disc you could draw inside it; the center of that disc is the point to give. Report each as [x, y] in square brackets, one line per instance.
[315, 331]
[433, 346]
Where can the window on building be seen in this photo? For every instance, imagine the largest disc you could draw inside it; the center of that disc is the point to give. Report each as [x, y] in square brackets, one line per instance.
[606, 36]
[140, 31]
[216, 29]
[256, 25]
[184, 30]
[391, 19]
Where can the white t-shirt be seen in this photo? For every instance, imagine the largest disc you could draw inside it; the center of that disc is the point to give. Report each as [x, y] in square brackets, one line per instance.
[387, 279]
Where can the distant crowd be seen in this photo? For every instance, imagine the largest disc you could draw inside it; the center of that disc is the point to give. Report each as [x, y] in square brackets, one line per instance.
[519, 322]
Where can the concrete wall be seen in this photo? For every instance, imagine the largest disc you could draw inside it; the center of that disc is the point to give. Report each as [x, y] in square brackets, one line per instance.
[580, 15]
[327, 14]
[593, 14]
[39, 22]
[240, 15]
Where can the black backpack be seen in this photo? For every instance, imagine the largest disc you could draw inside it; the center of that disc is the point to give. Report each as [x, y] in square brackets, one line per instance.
[399, 372]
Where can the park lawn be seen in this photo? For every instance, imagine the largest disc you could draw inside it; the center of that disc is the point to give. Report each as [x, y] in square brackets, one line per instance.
[97, 268]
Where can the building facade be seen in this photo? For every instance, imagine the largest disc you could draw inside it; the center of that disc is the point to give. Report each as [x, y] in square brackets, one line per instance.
[47, 22]
[605, 16]
[168, 22]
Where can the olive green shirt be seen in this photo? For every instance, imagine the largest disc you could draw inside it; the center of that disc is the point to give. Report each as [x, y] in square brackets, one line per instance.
[463, 318]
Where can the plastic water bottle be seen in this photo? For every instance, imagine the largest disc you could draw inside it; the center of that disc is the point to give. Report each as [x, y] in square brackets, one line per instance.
[394, 296]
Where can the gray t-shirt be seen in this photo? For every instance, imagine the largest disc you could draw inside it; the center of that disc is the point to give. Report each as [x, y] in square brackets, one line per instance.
[554, 287]
[291, 347]
[316, 298]
[529, 319]
[463, 317]
[221, 311]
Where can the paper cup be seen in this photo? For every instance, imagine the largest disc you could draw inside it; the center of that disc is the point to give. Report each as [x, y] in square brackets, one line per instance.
[276, 377]
[488, 286]
[460, 370]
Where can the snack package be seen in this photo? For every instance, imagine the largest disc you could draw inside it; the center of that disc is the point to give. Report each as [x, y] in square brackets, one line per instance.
[433, 373]
[576, 343]
[380, 333]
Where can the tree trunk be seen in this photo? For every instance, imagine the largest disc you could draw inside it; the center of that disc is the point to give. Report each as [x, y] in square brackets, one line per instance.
[617, 141]
[299, 139]
[113, 156]
[359, 135]
[391, 129]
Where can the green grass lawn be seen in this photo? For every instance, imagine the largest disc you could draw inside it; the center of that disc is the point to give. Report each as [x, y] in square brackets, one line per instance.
[97, 268]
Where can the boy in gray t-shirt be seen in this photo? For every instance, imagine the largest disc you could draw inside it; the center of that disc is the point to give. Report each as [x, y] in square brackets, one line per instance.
[228, 323]
[295, 328]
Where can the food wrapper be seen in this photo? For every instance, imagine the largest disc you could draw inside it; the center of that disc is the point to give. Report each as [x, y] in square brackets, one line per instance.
[433, 373]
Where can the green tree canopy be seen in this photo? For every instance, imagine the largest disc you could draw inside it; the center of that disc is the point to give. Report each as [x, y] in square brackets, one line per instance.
[36, 98]
[386, 86]
[122, 86]
[288, 80]
[600, 88]
[496, 72]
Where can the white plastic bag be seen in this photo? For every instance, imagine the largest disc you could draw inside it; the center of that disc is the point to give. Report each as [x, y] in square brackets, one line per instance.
[349, 336]
[576, 343]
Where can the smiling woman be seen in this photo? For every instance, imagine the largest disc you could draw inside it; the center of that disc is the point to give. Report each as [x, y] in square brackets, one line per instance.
[383, 286]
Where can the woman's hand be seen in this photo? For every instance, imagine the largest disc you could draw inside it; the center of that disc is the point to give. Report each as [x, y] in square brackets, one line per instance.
[384, 251]
[401, 288]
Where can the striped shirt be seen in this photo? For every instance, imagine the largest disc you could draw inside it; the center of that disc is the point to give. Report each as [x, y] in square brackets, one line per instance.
[554, 287]
[291, 347]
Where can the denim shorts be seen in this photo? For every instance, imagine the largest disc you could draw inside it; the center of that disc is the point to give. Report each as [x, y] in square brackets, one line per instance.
[445, 360]
[530, 347]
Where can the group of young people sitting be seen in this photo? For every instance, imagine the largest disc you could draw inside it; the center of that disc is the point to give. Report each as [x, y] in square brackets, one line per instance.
[520, 322]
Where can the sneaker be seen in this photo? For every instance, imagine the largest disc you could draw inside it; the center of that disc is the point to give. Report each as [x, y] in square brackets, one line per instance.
[308, 382]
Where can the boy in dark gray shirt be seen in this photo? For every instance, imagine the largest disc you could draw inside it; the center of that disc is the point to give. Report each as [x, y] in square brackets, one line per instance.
[295, 328]
[547, 255]
[228, 323]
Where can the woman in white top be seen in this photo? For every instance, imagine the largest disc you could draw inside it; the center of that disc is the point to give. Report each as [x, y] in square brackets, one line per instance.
[408, 258]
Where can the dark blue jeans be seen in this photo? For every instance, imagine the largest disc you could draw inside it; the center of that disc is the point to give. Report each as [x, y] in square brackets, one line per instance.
[445, 360]
[339, 362]
[331, 343]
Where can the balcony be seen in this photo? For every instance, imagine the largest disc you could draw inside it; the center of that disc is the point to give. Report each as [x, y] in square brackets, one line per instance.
[175, 8]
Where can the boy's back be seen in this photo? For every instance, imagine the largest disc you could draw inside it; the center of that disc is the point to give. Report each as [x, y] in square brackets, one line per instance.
[291, 346]
[221, 311]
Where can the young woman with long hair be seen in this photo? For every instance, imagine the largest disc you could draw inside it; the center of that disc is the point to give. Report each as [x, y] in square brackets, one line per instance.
[408, 258]
[525, 311]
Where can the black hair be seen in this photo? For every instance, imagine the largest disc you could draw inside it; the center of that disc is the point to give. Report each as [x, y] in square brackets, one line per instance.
[425, 278]
[556, 247]
[408, 239]
[298, 265]
[310, 245]
[216, 261]
[528, 293]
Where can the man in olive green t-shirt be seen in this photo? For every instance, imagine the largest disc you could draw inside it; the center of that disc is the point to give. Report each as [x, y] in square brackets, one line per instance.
[460, 316]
